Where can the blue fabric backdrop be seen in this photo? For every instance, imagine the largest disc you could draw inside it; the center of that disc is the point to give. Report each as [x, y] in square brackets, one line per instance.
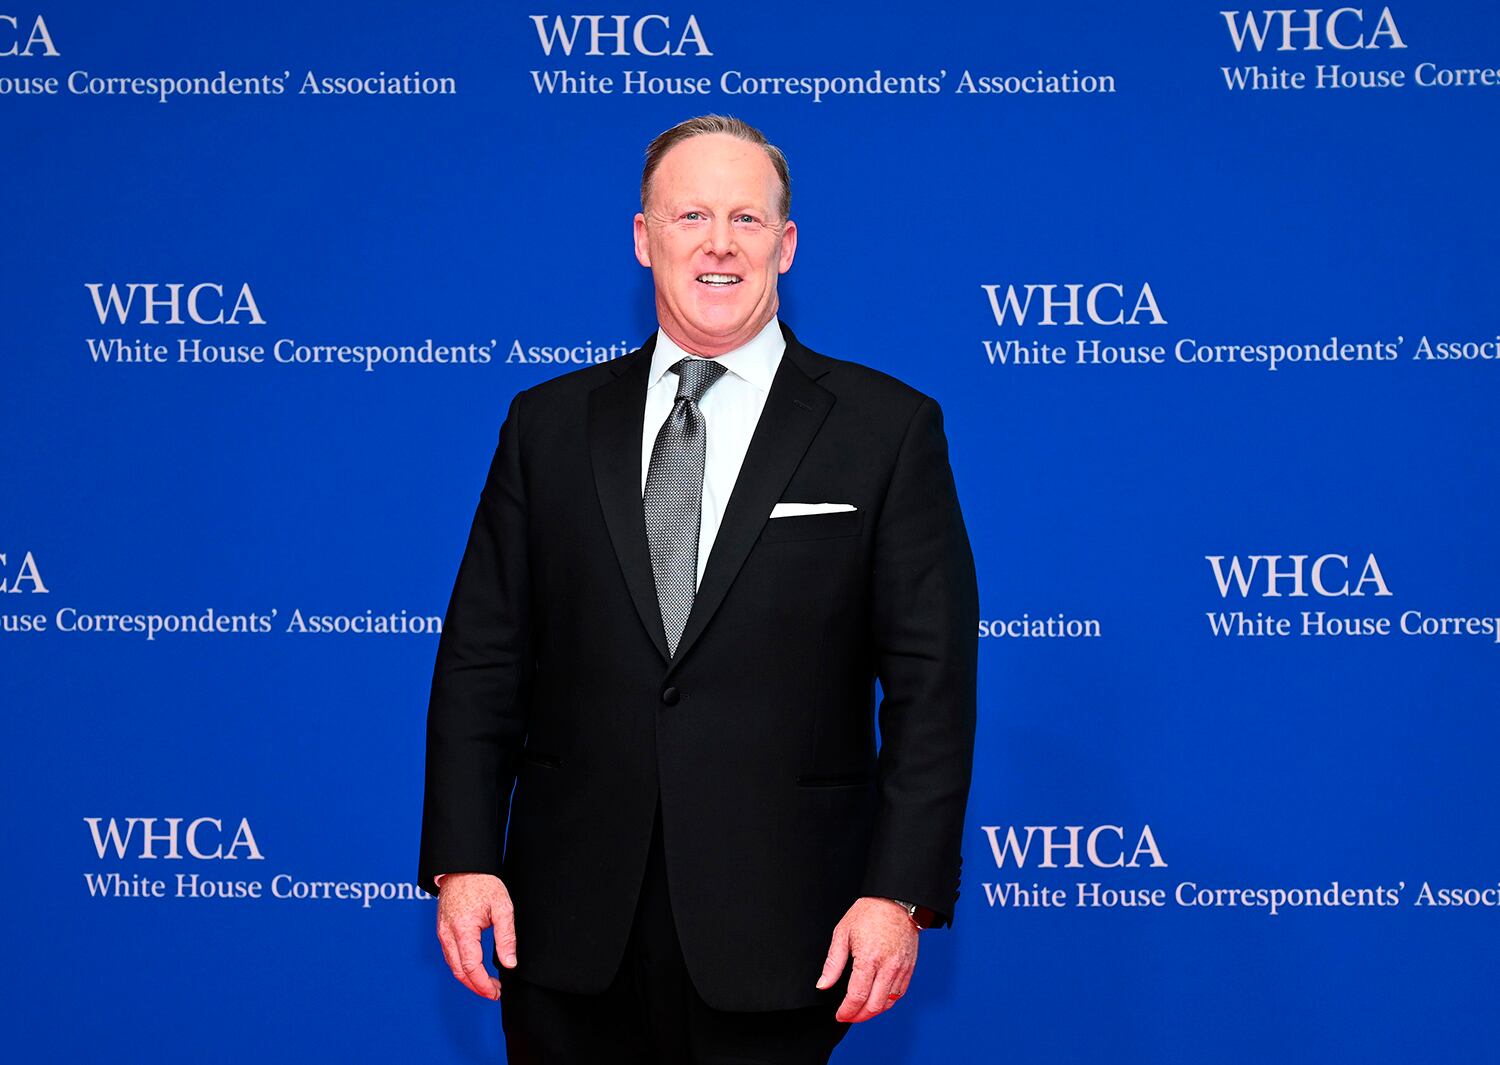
[1264, 416]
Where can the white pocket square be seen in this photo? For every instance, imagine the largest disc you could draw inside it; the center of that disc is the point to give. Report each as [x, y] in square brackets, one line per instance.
[788, 510]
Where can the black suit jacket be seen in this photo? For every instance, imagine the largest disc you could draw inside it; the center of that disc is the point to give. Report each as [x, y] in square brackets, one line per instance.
[553, 679]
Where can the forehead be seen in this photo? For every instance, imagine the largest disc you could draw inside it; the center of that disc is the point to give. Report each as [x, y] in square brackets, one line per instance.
[716, 166]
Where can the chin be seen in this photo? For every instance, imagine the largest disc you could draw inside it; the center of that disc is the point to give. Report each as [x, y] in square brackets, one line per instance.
[719, 328]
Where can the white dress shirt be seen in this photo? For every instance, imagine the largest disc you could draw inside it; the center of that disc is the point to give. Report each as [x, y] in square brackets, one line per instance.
[731, 409]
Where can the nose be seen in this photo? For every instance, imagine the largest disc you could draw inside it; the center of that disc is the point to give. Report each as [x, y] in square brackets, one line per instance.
[719, 240]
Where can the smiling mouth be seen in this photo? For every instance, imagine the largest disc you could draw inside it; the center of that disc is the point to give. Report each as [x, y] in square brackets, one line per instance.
[719, 280]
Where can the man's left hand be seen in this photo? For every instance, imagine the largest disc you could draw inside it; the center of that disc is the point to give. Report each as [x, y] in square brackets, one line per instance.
[883, 940]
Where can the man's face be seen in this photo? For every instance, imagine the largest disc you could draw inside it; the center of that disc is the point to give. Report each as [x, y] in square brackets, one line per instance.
[715, 242]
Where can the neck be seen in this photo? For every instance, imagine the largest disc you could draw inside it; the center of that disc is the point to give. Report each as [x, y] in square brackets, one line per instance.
[712, 349]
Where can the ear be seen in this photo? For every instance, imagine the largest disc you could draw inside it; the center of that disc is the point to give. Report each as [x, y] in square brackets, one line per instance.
[788, 246]
[642, 247]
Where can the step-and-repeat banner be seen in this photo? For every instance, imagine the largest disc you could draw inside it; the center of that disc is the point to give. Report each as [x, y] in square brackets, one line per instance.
[1207, 295]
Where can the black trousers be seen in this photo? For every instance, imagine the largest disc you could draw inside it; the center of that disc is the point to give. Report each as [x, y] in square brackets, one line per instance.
[652, 1015]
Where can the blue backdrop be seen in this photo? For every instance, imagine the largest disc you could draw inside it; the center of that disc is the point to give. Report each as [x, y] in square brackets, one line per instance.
[1232, 494]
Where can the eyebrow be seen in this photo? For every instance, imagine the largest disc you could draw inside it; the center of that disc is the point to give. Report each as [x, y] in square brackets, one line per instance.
[697, 205]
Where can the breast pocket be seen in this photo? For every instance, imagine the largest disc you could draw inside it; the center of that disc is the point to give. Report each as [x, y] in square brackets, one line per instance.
[813, 526]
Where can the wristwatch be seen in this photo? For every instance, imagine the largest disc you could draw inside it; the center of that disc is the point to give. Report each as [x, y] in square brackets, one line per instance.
[920, 916]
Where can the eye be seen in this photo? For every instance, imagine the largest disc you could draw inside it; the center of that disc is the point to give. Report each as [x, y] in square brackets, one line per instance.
[693, 216]
[746, 218]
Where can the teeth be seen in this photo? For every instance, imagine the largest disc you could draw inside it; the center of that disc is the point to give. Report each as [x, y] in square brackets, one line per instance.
[719, 279]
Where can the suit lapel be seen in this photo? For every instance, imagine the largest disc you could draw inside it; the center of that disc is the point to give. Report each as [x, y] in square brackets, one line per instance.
[616, 412]
[795, 409]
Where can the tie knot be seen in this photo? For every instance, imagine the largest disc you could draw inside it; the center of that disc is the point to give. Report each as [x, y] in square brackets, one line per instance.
[697, 376]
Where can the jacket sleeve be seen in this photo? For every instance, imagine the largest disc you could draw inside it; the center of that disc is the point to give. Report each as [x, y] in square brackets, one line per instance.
[925, 621]
[476, 715]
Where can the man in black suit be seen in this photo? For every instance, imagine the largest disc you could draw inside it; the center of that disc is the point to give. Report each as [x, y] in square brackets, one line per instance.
[687, 570]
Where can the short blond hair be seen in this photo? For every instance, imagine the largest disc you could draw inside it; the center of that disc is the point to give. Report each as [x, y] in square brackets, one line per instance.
[702, 124]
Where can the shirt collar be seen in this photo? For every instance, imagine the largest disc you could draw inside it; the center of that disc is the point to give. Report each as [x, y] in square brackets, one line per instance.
[755, 361]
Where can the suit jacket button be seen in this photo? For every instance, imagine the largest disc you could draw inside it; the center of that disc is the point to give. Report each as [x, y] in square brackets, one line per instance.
[670, 696]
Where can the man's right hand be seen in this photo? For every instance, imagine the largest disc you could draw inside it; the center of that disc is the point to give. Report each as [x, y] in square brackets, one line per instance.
[468, 903]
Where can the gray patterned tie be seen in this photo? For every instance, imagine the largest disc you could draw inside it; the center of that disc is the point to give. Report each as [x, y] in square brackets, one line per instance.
[674, 496]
